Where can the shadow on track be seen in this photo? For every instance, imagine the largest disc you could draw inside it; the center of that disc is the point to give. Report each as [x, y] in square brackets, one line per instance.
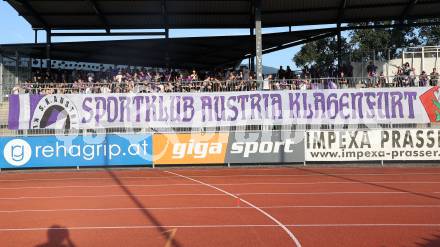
[370, 183]
[430, 242]
[163, 231]
[57, 236]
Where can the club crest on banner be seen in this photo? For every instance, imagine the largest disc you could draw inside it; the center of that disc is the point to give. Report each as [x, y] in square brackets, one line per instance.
[55, 112]
[431, 102]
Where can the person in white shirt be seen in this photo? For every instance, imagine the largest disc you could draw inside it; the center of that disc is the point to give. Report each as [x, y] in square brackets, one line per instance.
[304, 85]
[16, 89]
[90, 77]
[266, 82]
[119, 77]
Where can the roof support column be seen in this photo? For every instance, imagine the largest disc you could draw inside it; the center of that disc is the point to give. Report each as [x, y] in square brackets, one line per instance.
[1, 77]
[167, 31]
[258, 43]
[338, 29]
[17, 67]
[48, 46]
[341, 12]
[36, 36]
[251, 34]
[252, 57]
[165, 18]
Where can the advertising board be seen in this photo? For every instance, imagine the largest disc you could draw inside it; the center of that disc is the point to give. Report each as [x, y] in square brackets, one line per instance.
[265, 147]
[71, 151]
[180, 149]
[367, 145]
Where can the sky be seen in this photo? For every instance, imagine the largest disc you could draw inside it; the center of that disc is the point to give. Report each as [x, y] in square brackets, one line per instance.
[15, 29]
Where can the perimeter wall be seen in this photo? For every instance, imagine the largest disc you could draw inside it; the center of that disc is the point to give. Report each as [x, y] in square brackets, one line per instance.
[275, 127]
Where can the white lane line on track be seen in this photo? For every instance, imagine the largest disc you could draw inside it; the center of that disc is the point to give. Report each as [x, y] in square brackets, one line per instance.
[353, 206]
[104, 196]
[289, 233]
[313, 175]
[201, 208]
[113, 209]
[208, 194]
[331, 193]
[220, 176]
[94, 186]
[210, 226]
[85, 178]
[292, 168]
[366, 225]
[216, 184]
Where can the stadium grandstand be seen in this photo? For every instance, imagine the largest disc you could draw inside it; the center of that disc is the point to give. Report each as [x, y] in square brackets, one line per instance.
[155, 140]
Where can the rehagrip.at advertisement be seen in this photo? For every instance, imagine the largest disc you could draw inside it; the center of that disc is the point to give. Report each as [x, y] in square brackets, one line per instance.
[72, 151]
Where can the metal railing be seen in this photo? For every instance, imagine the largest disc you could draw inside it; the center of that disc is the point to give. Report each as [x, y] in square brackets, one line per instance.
[225, 86]
[297, 127]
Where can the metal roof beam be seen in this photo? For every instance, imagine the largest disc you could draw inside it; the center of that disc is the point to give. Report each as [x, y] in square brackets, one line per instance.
[343, 6]
[165, 17]
[31, 10]
[341, 10]
[408, 9]
[397, 25]
[100, 15]
[88, 34]
[196, 15]
[300, 42]
[140, 0]
[296, 43]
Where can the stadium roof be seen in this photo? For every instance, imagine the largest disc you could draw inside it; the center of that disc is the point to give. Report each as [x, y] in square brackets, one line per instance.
[199, 52]
[152, 14]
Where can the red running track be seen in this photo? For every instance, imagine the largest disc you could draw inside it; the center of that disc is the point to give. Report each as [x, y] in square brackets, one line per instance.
[277, 206]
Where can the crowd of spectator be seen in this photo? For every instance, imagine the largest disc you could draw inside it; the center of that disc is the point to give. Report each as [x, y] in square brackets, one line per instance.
[407, 76]
[404, 76]
[153, 81]
[139, 80]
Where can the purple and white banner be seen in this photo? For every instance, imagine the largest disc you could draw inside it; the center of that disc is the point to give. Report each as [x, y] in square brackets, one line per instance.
[352, 106]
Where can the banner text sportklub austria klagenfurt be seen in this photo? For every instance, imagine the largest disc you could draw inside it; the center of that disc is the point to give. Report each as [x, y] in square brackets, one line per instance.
[351, 106]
